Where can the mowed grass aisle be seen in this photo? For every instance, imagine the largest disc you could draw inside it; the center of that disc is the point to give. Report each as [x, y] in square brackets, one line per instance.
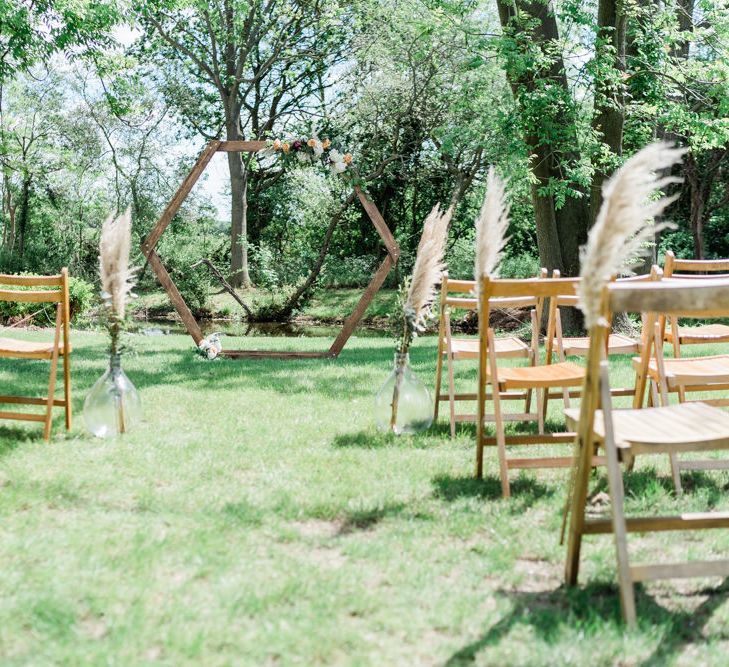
[257, 518]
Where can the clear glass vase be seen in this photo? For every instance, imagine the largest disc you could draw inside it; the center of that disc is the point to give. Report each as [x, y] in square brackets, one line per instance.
[403, 404]
[112, 406]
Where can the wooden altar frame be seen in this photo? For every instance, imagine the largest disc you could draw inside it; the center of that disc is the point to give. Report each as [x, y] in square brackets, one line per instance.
[193, 328]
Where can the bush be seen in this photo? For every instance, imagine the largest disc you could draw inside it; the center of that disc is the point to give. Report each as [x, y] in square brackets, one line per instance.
[521, 266]
[263, 265]
[348, 271]
[193, 283]
[81, 297]
[461, 257]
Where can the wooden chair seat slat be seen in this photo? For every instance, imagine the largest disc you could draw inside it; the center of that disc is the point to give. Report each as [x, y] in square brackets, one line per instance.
[468, 348]
[617, 344]
[705, 333]
[684, 427]
[686, 370]
[562, 374]
[12, 347]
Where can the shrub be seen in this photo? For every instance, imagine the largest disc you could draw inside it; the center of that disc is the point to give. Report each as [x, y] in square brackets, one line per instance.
[521, 266]
[193, 283]
[348, 271]
[263, 265]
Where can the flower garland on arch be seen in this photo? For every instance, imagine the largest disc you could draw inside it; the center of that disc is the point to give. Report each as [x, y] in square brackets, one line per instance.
[312, 151]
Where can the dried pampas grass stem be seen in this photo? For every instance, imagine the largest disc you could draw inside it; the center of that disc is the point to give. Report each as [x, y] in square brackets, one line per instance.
[117, 278]
[624, 222]
[428, 267]
[492, 224]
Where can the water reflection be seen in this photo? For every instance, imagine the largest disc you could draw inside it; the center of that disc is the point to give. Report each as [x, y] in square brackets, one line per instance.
[286, 329]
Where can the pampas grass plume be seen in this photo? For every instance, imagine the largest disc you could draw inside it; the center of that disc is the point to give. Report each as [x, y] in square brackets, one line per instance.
[492, 224]
[624, 222]
[117, 278]
[428, 265]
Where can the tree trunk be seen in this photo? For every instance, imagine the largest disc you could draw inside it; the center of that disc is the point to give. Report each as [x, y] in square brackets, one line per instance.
[239, 276]
[700, 184]
[609, 115]
[561, 230]
[23, 214]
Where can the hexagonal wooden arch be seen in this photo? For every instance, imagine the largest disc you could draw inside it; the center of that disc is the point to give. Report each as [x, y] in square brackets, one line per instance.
[193, 328]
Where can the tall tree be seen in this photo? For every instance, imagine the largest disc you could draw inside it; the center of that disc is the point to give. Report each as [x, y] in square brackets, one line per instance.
[242, 67]
[535, 68]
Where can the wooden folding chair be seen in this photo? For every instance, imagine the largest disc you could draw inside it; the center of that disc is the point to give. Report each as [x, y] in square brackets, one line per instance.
[625, 434]
[12, 348]
[459, 295]
[682, 376]
[692, 269]
[501, 380]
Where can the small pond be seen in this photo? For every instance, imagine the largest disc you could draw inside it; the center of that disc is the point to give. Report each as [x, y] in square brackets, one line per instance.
[238, 329]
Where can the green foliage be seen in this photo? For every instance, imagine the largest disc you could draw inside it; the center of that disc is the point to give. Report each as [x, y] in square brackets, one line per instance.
[195, 284]
[519, 266]
[33, 31]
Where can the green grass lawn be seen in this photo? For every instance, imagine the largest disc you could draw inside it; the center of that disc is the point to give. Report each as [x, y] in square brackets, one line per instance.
[256, 517]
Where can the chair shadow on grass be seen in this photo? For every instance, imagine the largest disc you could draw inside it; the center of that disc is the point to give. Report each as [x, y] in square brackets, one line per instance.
[527, 490]
[362, 520]
[551, 612]
[371, 439]
[11, 438]
[645, 482]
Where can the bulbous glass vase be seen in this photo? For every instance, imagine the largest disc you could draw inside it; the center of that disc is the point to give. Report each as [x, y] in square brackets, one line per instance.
[112, 406]
[403, 404]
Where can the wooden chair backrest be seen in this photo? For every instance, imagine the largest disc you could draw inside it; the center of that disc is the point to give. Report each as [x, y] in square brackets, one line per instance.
[57, 295]
[693, 268]
[461, 294]
[572, 301]
[57, 292]
[537, 289]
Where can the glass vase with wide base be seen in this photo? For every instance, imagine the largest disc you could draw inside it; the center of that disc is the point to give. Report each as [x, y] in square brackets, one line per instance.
[403, 405]
[112, 407]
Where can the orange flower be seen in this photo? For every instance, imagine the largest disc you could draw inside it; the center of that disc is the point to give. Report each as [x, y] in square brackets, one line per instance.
[311, 143]
[347, 158]
[325, 144]
[277, 145]
[285, 147]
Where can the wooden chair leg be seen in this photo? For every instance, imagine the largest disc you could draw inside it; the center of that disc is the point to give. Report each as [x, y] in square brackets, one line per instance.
[52, 378]
[577, 512]
[438, 381]
[49, 404]
[653, 399]
[617, 505]
[676, 474]
[498, 420]
[67, 389]
[501, 445]
[451, 395]
[542, 399]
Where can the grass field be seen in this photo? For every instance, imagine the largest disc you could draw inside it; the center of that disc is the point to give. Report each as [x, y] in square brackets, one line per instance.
[256, 518]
